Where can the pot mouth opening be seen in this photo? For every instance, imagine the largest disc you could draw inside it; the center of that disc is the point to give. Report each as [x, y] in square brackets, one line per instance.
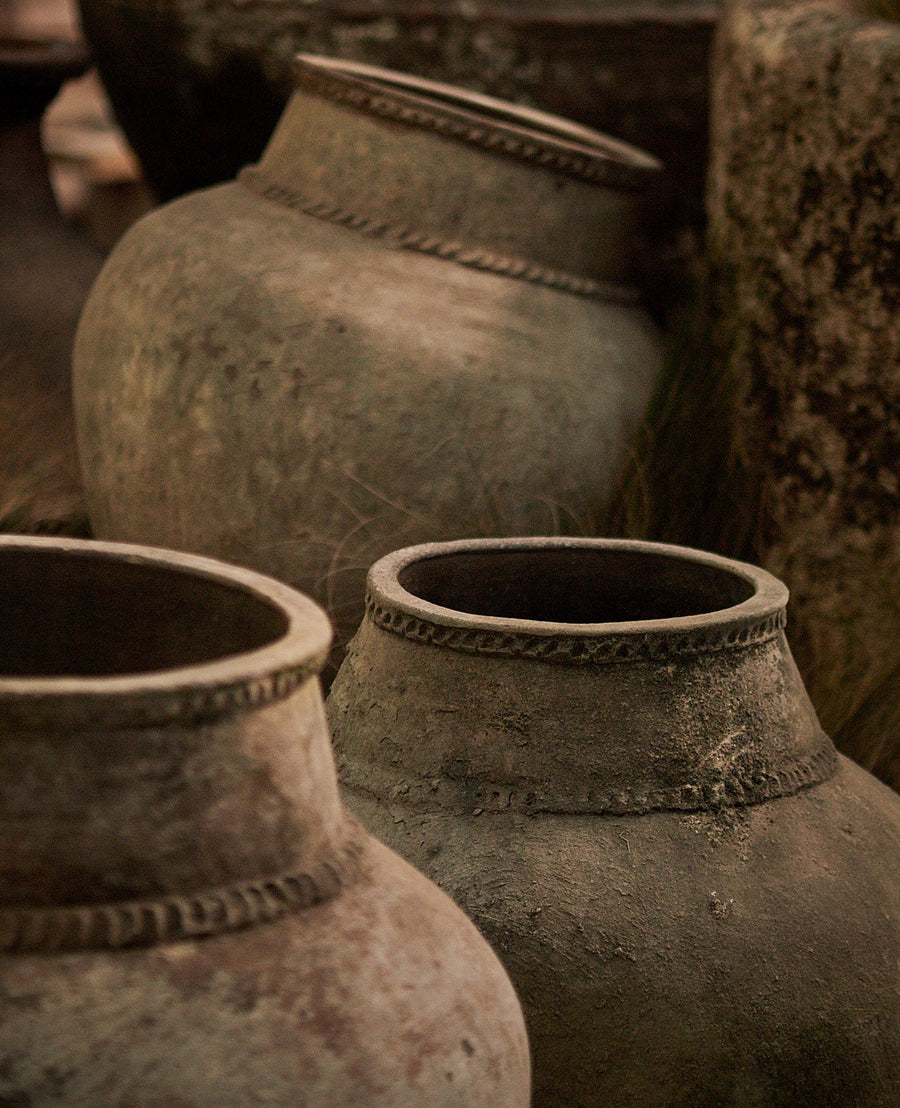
[502, 126]
[83, 618]
[577, 585]
[587, 589]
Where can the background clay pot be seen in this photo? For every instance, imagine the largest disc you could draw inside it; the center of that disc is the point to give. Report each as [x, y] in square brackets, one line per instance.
[409, 322]
[603, 751]
[198, 86]
[187, 913]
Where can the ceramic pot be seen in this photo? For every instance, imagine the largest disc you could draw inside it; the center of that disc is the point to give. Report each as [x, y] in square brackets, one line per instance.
[409, 322]
[603, 751]
[187, 913]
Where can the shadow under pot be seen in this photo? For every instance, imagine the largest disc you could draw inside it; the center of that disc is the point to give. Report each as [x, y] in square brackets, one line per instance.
[603, 751]
[188, 915]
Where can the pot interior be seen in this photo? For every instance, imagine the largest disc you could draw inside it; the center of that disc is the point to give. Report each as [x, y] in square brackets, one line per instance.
[79, 614]
[574, 584]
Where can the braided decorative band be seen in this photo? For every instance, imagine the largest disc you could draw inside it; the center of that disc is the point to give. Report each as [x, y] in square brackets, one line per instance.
[153, 707]
[512, 140]
[173, 918]
[738, 788]
[423, 242]
[574, 649]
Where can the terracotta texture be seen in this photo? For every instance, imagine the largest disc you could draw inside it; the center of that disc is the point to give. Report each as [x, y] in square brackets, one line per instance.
[188, 915]
[409, 322]
[803, 208]
[603, 751]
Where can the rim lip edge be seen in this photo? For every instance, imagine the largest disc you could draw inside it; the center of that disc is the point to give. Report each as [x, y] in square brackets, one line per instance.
[769, 597]
[554, 132]
[300, 650]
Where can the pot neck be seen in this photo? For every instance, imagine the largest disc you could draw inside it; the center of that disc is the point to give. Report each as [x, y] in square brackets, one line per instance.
[166, 765]
[456, 175]
[120, 836]
[634, 715]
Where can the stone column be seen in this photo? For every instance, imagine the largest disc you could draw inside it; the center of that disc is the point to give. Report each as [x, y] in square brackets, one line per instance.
[804, 232]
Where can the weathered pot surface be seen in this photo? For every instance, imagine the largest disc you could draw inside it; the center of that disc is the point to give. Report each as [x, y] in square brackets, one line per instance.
[188, 915]
[603, 751]
[410, 321]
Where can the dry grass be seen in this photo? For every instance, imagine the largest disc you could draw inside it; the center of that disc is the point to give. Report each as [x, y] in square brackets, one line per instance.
[683, 480]
[869, 729]
[40, 490]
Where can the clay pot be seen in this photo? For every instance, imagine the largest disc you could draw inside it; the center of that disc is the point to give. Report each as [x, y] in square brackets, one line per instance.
[409, 322]
[187, 913]
[603, 751]
[805, 245]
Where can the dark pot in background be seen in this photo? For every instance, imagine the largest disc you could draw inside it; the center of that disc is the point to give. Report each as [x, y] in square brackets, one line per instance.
[409, 322]
[188, 915]
[198, 87]
[603, 751]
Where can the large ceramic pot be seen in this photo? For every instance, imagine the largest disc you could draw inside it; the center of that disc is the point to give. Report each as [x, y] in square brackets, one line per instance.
[187, 913]
[409, 322]
[603, 751]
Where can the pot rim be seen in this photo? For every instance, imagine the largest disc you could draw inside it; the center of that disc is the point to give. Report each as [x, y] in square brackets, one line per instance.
[499, 126]
[199, 690]
[756, 619]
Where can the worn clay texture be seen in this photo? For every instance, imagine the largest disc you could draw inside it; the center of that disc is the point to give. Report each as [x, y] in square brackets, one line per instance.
[188, 914]
[302, 394]
[697, 900]
[804, 212]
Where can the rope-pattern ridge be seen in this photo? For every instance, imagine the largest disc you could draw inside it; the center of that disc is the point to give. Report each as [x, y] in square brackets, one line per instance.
[156, 706]
[174, 918]
[423, 242]
[400, 108]
[255, 693]
[573, 649]
[737, 789]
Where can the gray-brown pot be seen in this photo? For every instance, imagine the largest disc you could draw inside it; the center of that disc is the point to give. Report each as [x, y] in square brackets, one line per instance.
[603, 751]
[408, 323]
[188, 915]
